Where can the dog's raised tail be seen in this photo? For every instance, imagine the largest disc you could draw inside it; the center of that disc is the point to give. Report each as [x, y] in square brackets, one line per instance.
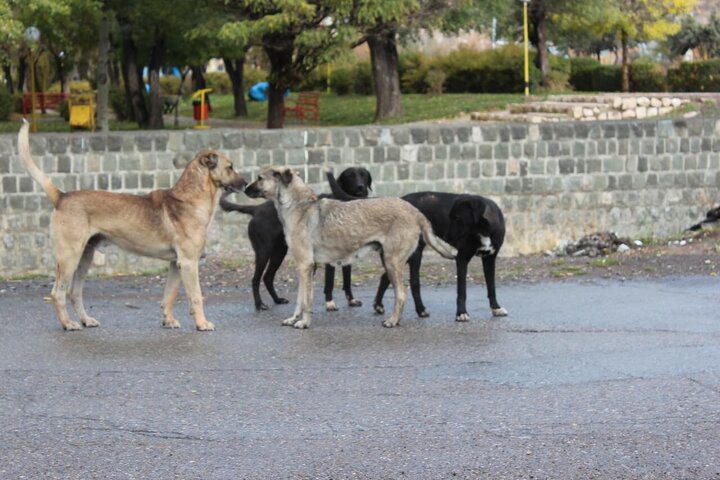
[51, 190]
[229, 206]
[439, 245]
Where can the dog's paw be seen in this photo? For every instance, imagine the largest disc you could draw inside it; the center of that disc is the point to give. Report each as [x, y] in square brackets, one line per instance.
[288, 322]
[379, 309]
[90, 322]
[463, 317]
[72, 326]
[354, 302]
[262, 306]
[171, 323]
[302, 324]
[424, 313]
[282, 301]
[499, 312]
[390, 323]
[206, 327]
[330, 306]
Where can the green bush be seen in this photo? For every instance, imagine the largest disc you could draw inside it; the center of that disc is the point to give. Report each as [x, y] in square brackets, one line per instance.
[169, 84]
[81, 86]
[251, 76]
[342, 80]
[607, 78]
[219, 82]
[6, 104]
[647, 76]
[119, 105]
[491, 71]
[414, 67]
[695, 77]
[435, 80]
[315, 81]
[581, 73]
[363, 84]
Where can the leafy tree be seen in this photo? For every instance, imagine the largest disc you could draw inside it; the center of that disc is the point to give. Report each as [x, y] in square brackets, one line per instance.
[630, 20]
[297, 35]
[693, 35]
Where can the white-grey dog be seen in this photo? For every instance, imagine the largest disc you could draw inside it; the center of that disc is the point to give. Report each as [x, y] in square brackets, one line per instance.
[330, 231]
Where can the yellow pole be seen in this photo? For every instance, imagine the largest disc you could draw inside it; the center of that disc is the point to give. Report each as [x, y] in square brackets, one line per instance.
[527, 59]
[33, 120]
[202, 110]
[328, 78]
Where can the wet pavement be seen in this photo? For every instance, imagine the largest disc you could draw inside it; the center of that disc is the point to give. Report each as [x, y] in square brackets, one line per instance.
[584, 379]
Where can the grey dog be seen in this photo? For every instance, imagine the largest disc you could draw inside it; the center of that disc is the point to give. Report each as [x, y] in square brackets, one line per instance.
[330, 231]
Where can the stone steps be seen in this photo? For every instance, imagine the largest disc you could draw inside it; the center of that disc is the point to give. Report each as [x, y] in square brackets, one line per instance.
[506, 116]
[574, 110]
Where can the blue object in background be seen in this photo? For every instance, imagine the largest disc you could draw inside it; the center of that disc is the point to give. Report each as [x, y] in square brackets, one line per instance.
[258, 92]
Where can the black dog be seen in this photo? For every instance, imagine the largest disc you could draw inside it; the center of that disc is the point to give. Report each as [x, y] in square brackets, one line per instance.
[472, 224]
[268, 240]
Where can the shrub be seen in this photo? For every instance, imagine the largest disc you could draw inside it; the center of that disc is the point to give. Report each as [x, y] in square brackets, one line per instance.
[414, 68]
[6, 104]
[581, 73]
[363, 84]
[251, 76]
[647, 76]
[435, 79]
[342, 80]
[315, 81]
[607, 78]
[80, 86]
[119, 105]
[695, 77]
[169, 84]
[219, 82]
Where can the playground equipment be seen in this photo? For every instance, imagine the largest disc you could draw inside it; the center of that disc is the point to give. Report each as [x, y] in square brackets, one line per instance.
[82, 111]
[201, 109]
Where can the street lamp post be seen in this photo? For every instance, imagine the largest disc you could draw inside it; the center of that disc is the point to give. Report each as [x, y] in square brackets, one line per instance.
[525, 37]
[32, 35]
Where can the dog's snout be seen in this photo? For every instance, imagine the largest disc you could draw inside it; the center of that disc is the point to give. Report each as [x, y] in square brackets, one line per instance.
[252, 191]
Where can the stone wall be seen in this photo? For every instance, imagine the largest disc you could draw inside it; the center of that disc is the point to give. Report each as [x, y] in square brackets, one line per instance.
[554, 182]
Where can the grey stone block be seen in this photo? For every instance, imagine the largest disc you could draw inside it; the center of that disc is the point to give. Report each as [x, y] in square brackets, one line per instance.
[578, 149]
[403, 171]
[64, 164]
[278, 156]
[489, 133]
[419, 135]
[363, 155]
[582, 130]
[455, 152]
[516, 150]
[519, 132]
[441, 152]
[262, 158]
[296, 156]
[564, 131]
[401, 136]
[114, 143]
[296, 139]
[270, 139]
[513, 186]
[447, 135]
[469, 152]
[609, 131]
[500, 168]
[378, 154]
[463, 134]
[504, 133]
[417, 171]
[97, 143]
[131, 180]
[315, 156]
[57, 145]
[109, 163]
[251, 140]
[26, 184]
[116, 181]
[79, 145]
[103, 181]
[501, 151]
[232, 140]
[147, 180]
[144, 143]
[163, 180]
[4, 164]
[566, 166]
[433, 135]
[353, 138]
[392, 154]
[425, 153]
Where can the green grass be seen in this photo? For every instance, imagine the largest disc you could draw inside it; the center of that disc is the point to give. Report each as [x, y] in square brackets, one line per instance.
[604, 262]
[53, 123]
[568, 271]
[359, 110]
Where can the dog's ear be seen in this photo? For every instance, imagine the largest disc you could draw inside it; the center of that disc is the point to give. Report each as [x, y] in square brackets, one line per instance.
[209, 160]
[369, 178]
[285, 176]
[467, 211]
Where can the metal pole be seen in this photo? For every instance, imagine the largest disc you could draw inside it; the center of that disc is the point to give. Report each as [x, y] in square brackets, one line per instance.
[33, 119]
[527, 59]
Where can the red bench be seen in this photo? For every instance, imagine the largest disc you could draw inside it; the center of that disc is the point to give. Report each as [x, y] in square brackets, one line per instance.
[307, 106]
[43, 101]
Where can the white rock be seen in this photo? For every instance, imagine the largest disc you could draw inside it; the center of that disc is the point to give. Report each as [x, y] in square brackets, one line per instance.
[665, 110]
[676, 102]
[643, 101]
[652, 112]
[667, 102]
[655, 102]
[622, 248]
[629, 114]
[691, 114]
[641, 112]
[577, 112]
[617, 102]
[629, 103]
[682, 243]
[638, 243]
[603, 116]
[588, 112]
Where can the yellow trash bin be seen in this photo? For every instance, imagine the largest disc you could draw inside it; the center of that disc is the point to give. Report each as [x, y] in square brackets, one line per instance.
[82, 111]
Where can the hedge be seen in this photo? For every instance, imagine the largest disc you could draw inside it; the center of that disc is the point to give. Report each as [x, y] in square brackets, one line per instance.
[701, 76]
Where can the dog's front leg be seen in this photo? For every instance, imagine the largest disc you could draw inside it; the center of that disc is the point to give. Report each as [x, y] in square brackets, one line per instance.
[303, 306]
[191, 280]
[461, 263]
[172, 286]
[299, 300]
[489, 271]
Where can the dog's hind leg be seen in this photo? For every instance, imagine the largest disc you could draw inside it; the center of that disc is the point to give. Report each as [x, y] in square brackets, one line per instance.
[489, 271]
[78, 282]
[384, 284]
[329, 285]
[347, 286]
[190, 277]
[415, 262]
[67, 263]
[172, 285]
[276, 258]
[394, 272]
[261, 261]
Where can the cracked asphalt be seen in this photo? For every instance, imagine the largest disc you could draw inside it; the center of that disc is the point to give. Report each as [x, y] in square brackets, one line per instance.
[585, 379]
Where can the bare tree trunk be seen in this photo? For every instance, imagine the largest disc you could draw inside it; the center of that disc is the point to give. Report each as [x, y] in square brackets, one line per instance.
[103, 86]
[156, 100]
[234, 69]
[7, 70]
[281, 78]
[386, 76]
[133, 83]
[276, 105]
[625, 67]
[22, 72]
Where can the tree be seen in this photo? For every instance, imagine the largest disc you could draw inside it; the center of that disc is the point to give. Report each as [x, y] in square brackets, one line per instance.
[103, 79]
[297, 35]
[630, 20]
[692, 35]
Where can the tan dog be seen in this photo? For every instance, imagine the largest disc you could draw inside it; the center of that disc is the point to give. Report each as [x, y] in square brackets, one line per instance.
[331, 231]
[170, 225]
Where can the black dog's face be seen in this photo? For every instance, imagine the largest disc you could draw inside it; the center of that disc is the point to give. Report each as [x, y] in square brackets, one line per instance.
[467, 220]
[356, 181]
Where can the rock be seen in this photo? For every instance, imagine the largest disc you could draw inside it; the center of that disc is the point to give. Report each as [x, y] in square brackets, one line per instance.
[617, 102]
[622, 248]
[577, 112]
[667, 102]
[638, 243]
[588, 112]
[643, 102]
[629, 103]
[675, 102]
[629, 114]
[665, 110]
[641, 112]
[652, 112]
[603, 116]
[691, 114]
[656, 102]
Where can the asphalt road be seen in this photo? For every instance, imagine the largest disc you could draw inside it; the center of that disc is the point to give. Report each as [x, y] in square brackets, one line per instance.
[598, 379]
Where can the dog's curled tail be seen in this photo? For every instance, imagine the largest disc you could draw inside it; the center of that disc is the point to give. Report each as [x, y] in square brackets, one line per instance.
[439, 245]
[229, 206]
[51, 190]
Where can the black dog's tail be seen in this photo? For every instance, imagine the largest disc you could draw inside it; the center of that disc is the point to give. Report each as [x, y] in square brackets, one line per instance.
[711, 217]
[337, 191]
[229, 206]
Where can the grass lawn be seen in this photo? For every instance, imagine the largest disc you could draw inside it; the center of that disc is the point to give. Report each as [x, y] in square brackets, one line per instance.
[53, 123]
[359, 110]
